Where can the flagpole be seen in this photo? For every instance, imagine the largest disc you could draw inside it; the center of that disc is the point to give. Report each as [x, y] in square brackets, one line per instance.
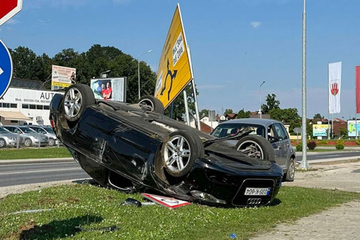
[356, 87]
[328, 102]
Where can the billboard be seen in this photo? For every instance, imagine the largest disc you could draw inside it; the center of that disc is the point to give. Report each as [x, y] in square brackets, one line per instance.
[174, 71]
[113, 89]
[62, 77]
[352, 126]
[320, 130]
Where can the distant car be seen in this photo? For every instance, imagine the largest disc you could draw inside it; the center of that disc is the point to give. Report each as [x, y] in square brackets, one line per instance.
[29, 136]
[47, 131]
[7, 138]
[272, 130]
[136, 148]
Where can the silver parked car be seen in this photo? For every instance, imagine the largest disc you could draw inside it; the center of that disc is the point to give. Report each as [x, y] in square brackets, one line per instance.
[7, 138]
[47, 131]
[272, 130]
[29, 136]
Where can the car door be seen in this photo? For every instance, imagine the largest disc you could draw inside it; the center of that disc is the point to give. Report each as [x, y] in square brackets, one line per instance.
[275, 140]
[283, 143]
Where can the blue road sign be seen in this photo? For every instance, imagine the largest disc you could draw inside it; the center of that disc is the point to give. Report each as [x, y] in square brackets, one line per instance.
[6, 69]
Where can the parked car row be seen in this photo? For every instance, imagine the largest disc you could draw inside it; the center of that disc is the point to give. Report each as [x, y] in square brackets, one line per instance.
[26, 135]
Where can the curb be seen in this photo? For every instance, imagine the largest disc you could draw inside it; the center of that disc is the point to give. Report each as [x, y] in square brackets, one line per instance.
[38, 160]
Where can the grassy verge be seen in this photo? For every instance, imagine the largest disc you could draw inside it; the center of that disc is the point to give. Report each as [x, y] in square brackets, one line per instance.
[95, 210]
[28, 153]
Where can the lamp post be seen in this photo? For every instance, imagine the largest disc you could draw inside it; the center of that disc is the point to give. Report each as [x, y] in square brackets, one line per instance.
[260, 97]
[105, 73]
[149, 51]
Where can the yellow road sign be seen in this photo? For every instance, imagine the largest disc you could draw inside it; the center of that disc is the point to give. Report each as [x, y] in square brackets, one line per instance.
[174, 71]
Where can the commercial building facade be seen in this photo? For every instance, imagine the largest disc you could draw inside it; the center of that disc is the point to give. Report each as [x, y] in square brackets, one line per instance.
[23, 106]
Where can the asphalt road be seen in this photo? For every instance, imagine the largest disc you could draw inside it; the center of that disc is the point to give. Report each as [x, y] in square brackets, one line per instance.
[20, 172]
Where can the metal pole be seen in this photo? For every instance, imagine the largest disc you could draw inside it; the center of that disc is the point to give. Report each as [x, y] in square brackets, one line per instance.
[304, 164]
[149, 51]
[186, 108]
[260, 110]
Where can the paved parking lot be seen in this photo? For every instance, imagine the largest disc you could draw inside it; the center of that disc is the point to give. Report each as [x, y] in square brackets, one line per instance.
[337, 223]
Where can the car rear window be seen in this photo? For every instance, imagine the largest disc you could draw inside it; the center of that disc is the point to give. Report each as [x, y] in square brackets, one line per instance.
[225, 130]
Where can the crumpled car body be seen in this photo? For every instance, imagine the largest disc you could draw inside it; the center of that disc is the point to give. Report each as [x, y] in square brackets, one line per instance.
[133, 149]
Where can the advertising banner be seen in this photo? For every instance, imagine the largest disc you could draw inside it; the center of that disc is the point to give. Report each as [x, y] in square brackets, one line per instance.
[113, 89]
[357, 86]
[352, 127]
[62, 77]
[334, 87]
[174, 71]
[320, 130]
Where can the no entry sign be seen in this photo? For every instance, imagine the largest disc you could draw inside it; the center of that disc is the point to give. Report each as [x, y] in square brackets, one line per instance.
[8, 8]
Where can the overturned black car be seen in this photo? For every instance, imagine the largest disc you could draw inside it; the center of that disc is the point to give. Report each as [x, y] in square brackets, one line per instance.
[135, 148]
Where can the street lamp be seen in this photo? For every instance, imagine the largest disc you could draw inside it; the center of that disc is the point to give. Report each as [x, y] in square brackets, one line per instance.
[105, 73]
[149, 51]
[260, 97]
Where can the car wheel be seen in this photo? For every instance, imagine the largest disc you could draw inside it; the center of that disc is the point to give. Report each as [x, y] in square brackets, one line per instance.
[77, 97]
[256, 147]
[2, 143]
[152, 104]
[51, 142]
[27, 142]
[290, 173]
[180, 152]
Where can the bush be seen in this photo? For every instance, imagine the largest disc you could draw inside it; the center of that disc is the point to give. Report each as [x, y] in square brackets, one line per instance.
[357, 141]
[299, 147]
[323, 142]
[311, 145]
[340, 141]
[339, 146]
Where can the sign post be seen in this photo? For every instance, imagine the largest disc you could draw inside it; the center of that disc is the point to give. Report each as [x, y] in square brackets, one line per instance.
[8, 8]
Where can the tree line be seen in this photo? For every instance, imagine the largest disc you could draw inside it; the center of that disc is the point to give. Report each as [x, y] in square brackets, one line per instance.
[89, 64]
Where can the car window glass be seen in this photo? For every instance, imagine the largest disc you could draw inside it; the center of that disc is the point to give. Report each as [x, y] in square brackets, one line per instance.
[279, 131]
[271, 134]
[225, 130]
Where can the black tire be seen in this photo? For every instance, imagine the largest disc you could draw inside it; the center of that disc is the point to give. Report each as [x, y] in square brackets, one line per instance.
[289, 176]
[152, 104]
[180, 152]
[256, 147]
[27, 142]
[76, 99]
[2, 143]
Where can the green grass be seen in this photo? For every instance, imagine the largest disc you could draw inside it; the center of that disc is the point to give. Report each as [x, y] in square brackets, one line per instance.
[94, 209]
[28, 153]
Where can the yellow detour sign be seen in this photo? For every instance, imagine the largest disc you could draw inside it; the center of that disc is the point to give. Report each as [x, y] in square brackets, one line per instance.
[174, 71]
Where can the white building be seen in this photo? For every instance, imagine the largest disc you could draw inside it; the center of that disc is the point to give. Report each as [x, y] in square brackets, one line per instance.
[20, 105]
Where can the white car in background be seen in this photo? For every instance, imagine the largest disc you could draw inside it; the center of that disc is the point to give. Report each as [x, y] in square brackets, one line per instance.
[47, 131]
[8, 139]
[29, 136]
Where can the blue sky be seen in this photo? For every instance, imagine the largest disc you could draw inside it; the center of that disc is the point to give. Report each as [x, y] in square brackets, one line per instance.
[235, 44]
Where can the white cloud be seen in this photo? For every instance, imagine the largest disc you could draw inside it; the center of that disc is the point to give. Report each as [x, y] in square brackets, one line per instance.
[255, 24]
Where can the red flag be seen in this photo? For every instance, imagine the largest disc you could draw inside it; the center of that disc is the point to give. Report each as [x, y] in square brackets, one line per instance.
[357, 86]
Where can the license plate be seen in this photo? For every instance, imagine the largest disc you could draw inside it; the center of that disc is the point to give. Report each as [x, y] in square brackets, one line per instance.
[257, 191]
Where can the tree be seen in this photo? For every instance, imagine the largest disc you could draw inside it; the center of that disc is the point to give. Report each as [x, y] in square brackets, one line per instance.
[271, 103]
[318, 116]
[289, 115]
[204, 113]
[243, 114]
[228, 111]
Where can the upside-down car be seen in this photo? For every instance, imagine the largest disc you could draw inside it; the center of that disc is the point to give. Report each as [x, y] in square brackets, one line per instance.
[136, 148]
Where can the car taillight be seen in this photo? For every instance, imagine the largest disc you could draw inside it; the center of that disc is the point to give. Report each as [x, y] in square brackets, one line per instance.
[52, 123]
